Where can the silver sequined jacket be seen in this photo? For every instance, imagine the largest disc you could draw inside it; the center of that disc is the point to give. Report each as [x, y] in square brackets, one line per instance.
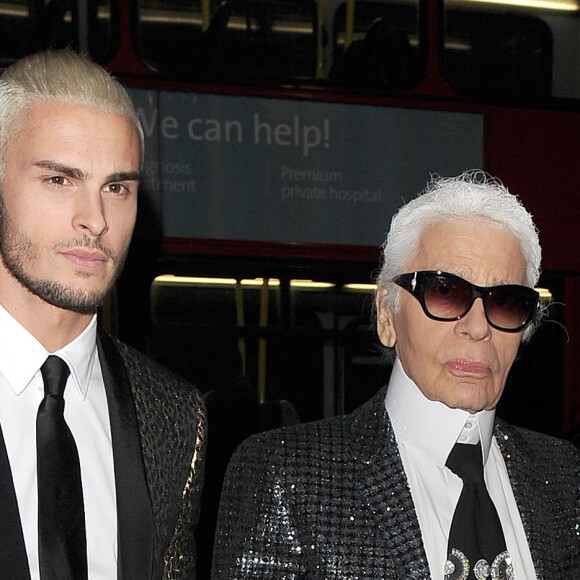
[330, 500]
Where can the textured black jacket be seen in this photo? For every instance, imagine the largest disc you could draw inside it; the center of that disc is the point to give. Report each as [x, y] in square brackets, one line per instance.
[331, 500]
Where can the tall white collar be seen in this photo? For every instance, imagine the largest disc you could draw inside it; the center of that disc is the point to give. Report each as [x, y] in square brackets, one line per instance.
[431, 426]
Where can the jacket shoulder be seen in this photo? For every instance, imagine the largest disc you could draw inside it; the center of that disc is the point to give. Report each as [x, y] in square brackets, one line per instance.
[149, 378]
[341, 439]
[539, 447]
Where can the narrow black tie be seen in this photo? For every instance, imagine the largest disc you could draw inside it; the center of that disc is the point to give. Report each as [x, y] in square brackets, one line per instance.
[477, 547]
[61, 519]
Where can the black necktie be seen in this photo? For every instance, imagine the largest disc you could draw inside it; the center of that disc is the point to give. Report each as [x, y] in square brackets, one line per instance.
[61, 519]
[476, 542]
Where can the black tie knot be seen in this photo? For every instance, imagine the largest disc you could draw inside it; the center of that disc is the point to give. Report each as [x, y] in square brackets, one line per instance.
[466, 461]
[55, 373]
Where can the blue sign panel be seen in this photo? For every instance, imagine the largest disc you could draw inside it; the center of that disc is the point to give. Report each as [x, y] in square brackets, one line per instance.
[242, 168]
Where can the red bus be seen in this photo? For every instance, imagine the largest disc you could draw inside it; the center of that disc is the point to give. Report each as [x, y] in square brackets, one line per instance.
[281, 137]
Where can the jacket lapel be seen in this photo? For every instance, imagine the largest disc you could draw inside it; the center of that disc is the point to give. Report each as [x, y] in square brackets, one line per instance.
[388, 496]
[13, 558]
[134, 514]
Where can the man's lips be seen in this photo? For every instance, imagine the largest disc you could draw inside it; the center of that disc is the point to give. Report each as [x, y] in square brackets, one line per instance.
[467, 367]
[86, 258]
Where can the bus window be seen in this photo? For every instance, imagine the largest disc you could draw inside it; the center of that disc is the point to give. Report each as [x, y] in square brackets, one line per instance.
[377, 45]
[504, 51]
[362, 44]
[16, 23]
[264, 39]
[27, 26]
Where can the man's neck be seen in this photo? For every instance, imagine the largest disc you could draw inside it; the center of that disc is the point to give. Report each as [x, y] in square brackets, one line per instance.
[430, 426]
[52, 326]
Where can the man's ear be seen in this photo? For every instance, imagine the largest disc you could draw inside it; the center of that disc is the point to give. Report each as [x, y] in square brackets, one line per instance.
[385, 322]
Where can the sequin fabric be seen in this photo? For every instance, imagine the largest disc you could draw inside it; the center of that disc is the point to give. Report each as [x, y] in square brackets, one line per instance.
[172, 421]
[545, 477]
[330, 500]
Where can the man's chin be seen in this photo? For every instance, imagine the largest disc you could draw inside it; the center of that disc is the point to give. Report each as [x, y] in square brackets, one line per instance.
[79, 306]
[77, 300]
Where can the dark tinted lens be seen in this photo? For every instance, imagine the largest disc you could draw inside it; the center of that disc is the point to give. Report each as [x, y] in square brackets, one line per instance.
[447, 297]
[510, 307]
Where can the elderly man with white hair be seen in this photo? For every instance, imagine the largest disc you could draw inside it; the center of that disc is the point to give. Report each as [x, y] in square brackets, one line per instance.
[423, 481]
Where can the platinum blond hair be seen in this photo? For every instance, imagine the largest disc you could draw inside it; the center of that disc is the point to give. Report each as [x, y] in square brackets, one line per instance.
[59, 76]
[475, 196]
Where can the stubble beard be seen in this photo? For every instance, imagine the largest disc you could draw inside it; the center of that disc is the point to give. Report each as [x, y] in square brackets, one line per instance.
[18, 250]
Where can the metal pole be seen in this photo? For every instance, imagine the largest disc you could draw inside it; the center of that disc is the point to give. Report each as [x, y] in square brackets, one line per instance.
[83, 26]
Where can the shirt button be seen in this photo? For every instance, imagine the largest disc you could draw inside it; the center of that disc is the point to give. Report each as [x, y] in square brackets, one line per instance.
[463, 438]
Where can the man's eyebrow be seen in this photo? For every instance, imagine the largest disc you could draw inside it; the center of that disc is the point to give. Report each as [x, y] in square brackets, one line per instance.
[60, 168]
[124, 176]
[80, 174]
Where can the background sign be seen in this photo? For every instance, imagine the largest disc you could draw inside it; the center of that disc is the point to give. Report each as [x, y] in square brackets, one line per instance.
[242, 168]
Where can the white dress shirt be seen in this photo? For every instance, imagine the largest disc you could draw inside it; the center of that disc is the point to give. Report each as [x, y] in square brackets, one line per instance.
[426, 431]
[86, 413]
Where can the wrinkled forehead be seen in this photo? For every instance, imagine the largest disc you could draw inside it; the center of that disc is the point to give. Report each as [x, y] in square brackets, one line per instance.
[478, 250]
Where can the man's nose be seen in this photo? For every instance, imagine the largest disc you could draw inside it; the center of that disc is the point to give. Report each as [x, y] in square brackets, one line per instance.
[90, 215]
[475, 323]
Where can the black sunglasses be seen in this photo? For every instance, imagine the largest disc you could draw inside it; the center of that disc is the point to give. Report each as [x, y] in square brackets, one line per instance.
[446, 297]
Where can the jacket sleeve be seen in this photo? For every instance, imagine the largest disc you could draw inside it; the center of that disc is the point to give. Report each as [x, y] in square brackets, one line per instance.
[256, 535]
[172, 427]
